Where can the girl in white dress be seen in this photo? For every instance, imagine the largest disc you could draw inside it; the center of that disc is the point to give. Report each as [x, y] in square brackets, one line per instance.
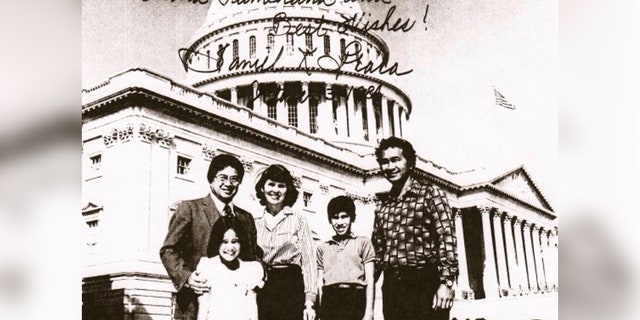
[232, 279]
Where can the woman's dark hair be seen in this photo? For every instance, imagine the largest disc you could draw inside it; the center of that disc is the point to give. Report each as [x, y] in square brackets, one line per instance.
[277, 173]
[394, 142]
[219, 162]
[340, 204]
[217, 234]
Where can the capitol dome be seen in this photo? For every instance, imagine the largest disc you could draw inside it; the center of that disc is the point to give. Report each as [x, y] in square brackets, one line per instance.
[308, 66]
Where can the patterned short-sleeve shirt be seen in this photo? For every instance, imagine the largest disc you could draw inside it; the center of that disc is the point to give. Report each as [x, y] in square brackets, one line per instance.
[415, 229]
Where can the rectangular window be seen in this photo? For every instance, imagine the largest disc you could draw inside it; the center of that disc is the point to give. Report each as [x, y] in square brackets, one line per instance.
[293, 114]
[96, 162]
[183, 165]
[306, 199]
[308, 40]
[343, 46]
[271, 110]
[289, 43]
[313, 115]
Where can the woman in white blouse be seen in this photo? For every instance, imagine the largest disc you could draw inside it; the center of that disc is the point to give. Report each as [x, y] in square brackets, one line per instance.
[284, 236]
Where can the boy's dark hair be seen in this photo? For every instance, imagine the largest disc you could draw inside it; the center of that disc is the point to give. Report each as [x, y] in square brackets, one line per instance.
[277, 173]
[407, 149]
[340, 204]
[217, 234]
[222, 161]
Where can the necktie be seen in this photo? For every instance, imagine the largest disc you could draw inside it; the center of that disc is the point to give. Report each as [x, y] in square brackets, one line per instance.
[227, 210]
[228, 215]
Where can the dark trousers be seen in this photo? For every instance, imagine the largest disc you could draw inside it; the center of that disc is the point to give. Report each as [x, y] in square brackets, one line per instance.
[407, 293]
[282, 297]
[343, 303]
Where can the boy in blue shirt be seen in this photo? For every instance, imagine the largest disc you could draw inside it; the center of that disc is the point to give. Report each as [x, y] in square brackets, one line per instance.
[345, 267]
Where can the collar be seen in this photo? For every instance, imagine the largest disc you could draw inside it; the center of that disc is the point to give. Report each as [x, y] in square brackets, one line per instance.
[220, 205]
[409, 189]
[286, 211]
[335, 239]
[271, 221]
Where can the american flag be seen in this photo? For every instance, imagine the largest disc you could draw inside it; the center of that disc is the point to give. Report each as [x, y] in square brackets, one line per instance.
[501, 101]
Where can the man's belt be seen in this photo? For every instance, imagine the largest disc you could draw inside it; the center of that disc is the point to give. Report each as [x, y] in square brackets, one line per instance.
[346, 286]
[282, 266]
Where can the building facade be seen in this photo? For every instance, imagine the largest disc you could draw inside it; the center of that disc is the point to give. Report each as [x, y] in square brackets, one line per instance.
[281, 84]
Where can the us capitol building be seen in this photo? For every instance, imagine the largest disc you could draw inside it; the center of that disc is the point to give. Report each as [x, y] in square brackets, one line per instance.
[262, 85]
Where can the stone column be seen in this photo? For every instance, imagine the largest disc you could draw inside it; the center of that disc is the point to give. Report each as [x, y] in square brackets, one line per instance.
[511, 252]
[522, 270]
[463, 276]
[341, 118]
[303, 110]
[401, 122]
[396, 119]
[537, 256]
[503, 278]
[547, 259]
[282, 114]
[325, 113]
[384, 108]
[531, 268]
[258, 105]
[234, 95]
[358, 131]
[352, 121]
[553, 253]
[371, 121]
[489, 274]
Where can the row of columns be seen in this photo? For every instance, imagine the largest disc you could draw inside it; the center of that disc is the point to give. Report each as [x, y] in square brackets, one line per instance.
[349, 114]
[520, 257]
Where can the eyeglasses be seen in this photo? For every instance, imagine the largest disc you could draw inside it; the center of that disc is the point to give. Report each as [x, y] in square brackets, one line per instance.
[235, 180]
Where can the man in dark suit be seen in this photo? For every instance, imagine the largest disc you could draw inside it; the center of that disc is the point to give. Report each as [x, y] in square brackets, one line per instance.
[190, 229]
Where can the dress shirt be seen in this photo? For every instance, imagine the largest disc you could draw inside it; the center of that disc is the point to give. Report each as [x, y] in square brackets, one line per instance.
[220, 205]
[414, 229]
[286, 239]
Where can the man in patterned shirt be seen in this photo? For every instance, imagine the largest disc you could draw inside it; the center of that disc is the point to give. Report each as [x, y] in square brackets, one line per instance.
[414, 240]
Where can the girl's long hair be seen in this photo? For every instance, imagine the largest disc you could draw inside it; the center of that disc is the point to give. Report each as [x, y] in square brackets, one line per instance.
[217, 234]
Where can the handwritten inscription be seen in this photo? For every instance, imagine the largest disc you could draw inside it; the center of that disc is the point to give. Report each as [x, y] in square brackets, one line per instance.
[286, 2]
[282, 26]
[387, 24]
[301, 97]
[187, 1]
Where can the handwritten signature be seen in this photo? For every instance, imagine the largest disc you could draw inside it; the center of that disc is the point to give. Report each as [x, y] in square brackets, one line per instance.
[353, 56]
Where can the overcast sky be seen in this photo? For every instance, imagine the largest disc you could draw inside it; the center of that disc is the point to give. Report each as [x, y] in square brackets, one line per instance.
[467, 49]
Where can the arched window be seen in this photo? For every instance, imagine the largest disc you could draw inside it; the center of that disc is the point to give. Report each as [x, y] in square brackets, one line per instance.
[270, 42]
[235, 49]
[252, 47]
[327, 45]
[342, 46]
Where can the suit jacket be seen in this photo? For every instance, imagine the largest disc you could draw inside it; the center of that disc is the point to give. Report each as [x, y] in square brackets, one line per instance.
[187, 240]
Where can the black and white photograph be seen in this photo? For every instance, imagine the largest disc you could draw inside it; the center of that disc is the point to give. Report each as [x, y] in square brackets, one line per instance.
[319, 160]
